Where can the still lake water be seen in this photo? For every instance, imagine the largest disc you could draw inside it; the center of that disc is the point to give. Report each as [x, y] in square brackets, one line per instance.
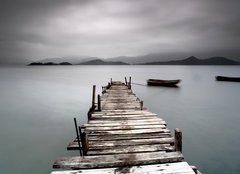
[37, 106]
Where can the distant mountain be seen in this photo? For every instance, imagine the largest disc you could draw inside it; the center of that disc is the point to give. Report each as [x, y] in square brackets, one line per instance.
[195, 61]
[152, 57]
[70, 59]
[101, 62]
[148, 59]
[48, 63]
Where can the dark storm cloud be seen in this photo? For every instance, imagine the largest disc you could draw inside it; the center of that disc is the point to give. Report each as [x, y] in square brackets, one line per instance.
[38, 29]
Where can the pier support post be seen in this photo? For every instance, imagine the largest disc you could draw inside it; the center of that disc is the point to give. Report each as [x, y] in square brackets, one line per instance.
[141, 105]
[130, 83]
[126, 81]
[89, 114]
[78, 139]
[111, 81]
[178, 139]
[99, 103]
[84, 142]
[93, 97]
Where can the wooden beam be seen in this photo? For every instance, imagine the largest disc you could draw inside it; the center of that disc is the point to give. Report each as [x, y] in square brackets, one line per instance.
[167, 168]
[118, 160]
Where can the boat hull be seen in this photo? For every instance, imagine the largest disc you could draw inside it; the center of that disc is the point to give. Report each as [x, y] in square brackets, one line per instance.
[229, 79]
[157, 82]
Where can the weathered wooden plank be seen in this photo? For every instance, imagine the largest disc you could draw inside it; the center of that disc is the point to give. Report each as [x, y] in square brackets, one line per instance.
[123, 127]
[143, 118]
[124, 116]
[167, 168]
[132, 149]
[102, 121]
[93, 137]
[137, 131]
[105, 124]
[127, 124]
[117, 160]
[124, 112]
[133, 142]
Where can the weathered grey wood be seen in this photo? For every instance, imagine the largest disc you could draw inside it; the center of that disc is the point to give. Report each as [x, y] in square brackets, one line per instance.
[143, 118]
[167, 168]
[125, 116]
[133, 149]
[103, 121]
[123, 127]
[124, 112]
[92, 137]
[119, 143]
[117, 160]
[178, 139]
[137, 131]
[123, 123]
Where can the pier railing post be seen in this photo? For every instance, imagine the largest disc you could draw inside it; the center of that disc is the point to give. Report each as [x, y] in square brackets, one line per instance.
[141, 105]
[130, 83]
[99, 103]
[111, 81]
[78, 139]
[126, 81]
[178, 139]
[93, 97]
[84, 142]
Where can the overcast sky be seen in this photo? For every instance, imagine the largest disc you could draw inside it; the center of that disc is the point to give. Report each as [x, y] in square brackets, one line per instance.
[36, 29]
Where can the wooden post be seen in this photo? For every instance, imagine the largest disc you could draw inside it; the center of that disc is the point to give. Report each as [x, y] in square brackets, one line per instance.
[93, 97]
[178, 139]
[99, 103]
[194, 168]
[129, 83]
[141, 105]
[75, 122]
[89, 114]
[84, 142]
[111, 81]
[126, 81]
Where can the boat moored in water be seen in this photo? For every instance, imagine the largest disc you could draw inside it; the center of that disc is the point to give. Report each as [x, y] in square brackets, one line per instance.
[158, 82]
[229, 79]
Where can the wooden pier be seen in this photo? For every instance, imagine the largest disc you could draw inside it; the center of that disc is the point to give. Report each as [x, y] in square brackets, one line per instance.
[122, 136]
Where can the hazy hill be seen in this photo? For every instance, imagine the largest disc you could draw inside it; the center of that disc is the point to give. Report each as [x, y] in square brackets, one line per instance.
[101, 62]
[195, 61]
[70, 59]
[152, 57]
[48, 63]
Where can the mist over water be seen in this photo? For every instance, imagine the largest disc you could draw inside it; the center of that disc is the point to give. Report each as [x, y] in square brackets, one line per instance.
[38, 104]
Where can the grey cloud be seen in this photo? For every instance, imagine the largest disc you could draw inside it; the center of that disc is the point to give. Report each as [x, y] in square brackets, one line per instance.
[35, 29]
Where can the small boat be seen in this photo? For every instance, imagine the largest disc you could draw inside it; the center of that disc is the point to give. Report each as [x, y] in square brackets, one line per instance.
[157, 82]
[229, 79]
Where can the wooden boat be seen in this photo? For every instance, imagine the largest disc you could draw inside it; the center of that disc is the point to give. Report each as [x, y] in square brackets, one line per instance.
[157, 82]
[229, 79]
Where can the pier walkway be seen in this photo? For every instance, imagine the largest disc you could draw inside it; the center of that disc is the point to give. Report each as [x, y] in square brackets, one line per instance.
[122, 136]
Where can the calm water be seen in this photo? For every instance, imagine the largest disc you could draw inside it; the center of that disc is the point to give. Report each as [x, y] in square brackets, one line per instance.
[37, 107]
